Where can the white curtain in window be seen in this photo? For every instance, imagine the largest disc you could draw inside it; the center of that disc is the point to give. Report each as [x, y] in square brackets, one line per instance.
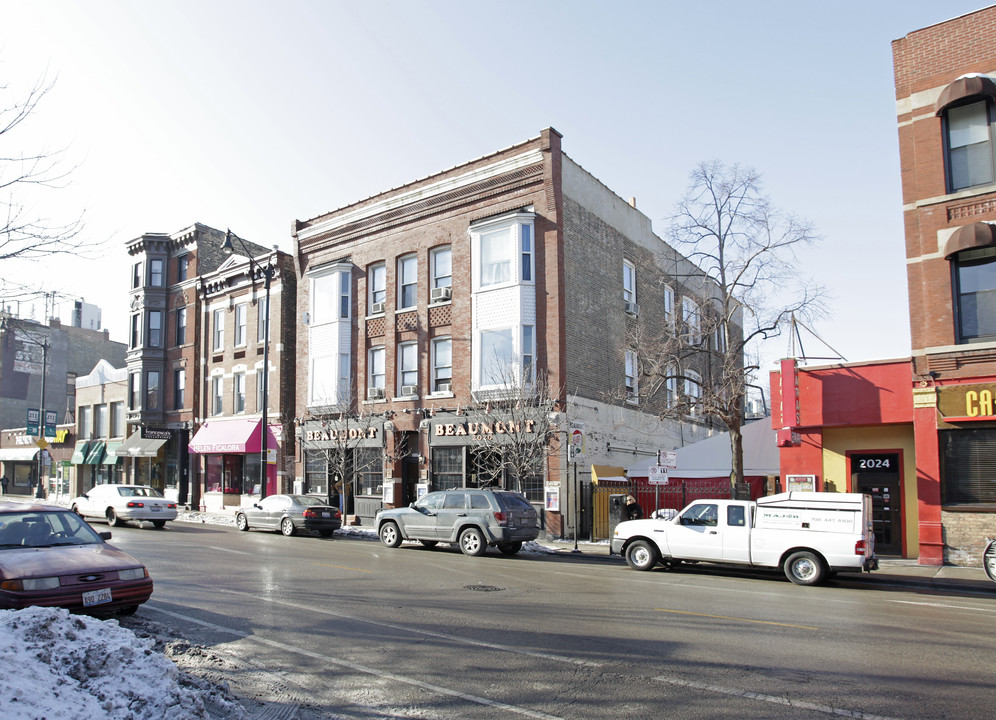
[496, 257]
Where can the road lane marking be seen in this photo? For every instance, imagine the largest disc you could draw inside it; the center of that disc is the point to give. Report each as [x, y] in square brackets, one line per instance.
[945, 605]
[356, 667]
[747, 620]
[343, 567]
[773, 699]
[222, 549]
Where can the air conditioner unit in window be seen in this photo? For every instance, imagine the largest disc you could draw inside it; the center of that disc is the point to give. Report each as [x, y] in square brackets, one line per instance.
[375, 393]
[444, 387]
[441, 293]
[376, 308]
[631, 307]
[409, 390]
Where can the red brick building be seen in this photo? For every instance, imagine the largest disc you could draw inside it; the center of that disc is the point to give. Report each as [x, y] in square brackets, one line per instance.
[946, 109]
[419, 305]
[195, 366]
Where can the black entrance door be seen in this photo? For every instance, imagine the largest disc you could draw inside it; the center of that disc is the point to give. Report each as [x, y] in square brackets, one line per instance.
[878, 475]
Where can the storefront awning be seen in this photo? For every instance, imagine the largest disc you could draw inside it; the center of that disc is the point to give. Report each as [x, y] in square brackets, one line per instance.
[111, 453]
[18, 454]
[137, 446]
[79, 454]
[229, 436]
[96, 454]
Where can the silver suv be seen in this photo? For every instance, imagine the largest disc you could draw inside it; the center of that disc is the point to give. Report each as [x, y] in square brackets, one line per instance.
[471, 517]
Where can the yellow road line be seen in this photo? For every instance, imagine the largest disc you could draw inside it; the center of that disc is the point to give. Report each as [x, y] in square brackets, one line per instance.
[343, 567]
[724, 617]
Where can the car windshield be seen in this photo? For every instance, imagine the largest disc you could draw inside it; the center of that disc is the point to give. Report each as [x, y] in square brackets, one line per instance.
[138, 491]
[44, 529]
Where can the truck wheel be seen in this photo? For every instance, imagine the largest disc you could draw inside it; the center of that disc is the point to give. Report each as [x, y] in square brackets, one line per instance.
[472, 542]
[642, 555]
[805, 568]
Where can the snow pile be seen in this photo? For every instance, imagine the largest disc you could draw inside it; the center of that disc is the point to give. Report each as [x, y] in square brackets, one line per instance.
[59, 666]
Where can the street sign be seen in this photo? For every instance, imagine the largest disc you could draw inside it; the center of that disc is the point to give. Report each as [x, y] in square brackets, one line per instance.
[576, 446]
[33, 422]
[42, 443]
[657, 475]
[51, 418]
[667, 458]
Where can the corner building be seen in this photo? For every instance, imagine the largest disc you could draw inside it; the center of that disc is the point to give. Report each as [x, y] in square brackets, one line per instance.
[415, 305]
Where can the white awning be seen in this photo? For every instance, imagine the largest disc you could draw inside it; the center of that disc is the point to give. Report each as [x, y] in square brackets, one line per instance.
[18, 454]
[137, 446]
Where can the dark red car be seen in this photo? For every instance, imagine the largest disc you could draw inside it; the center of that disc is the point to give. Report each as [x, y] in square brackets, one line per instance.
[49, 556]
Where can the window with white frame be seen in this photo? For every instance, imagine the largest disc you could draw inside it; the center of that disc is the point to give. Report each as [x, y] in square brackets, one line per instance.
[671, 386]
[497, 251]
[101, 422]
[504, 251]
[219, 330]
[719, 336]
[970, 160]
[136, 330]
[629, 284]
[324, 298]
[84, 424]
[496, 357]
[328, 333]
[323, 379]
[260, 375]
[693, 390]
[691, 320]
[179, 388]
[181, 326]
[408, 368]
[217, 394]
[407, 282]
[632, 377]
[344, 295]
[239, 392]
[669, 305]
[136, 275]
[442, 267]
[376, 368]
[117, 419]
[526, 261]
[376, 288]
[241, 322]
[262, 316]
[345, 362]
[155, 336]
[528, 354]
[442, 364]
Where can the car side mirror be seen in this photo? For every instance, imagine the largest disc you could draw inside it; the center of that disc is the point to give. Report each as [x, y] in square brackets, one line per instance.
[256, 505]
[106, 535]
[412, 506]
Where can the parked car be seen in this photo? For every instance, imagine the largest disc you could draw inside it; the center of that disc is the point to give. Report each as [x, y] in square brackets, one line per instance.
[473, 518]
[289, 514]
[118, 504]
[49, 556]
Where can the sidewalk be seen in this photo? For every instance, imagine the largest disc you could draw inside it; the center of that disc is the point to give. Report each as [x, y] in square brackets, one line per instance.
[898, 572]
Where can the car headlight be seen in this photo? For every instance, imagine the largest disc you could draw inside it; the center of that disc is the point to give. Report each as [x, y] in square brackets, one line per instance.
[47, 583]
[133, 574]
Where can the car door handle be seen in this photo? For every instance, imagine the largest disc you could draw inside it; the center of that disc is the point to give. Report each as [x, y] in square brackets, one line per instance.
[461, 514]
[713, 532]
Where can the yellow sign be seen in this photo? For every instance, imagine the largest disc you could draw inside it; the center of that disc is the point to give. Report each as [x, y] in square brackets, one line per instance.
[968, 401]
[42, 443]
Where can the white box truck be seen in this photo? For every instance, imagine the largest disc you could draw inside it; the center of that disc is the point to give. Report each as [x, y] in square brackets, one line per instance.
[809, 535]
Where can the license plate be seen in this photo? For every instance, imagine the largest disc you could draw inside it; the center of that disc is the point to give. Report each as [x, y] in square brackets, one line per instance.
[156, 508]
[325, 514]
[96, 597]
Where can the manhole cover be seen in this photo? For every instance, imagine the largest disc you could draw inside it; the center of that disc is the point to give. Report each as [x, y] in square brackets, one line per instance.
[484, 588]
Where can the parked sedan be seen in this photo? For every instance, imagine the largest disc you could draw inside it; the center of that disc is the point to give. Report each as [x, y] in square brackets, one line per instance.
[118, 504]
[290, 513]
[52, 558]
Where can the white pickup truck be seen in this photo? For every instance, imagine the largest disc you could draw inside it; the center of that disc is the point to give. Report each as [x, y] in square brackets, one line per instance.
[810, 535]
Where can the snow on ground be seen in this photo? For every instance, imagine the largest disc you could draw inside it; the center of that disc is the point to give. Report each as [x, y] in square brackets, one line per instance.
[59, 666]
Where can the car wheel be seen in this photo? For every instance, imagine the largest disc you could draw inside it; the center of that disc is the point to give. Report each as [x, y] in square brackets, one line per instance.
[159, 523]
[642, 555]
[390, 535]
[472, 542]
[287, 527]
[509, 548]
[129, 610]
[429, 543]
[242, 522]
[113, 519]
[805, 568]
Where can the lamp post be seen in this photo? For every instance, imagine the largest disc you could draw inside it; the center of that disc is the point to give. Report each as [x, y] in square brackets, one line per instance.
[267, 272]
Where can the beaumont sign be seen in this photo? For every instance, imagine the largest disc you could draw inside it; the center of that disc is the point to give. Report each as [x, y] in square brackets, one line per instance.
[353, 433]
[483, 428]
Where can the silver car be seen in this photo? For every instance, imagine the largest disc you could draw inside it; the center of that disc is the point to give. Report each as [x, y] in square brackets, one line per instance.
[468, 516]
[122, 503]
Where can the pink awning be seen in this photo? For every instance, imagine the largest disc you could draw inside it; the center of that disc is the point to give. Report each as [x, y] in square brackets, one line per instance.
[239, 435]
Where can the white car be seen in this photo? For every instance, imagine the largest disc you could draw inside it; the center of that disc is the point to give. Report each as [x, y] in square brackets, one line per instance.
[120, 503]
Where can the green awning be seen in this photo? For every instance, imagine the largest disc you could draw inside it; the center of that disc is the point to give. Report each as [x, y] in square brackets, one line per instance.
[79, 454]
[96, 454]
[111, 458]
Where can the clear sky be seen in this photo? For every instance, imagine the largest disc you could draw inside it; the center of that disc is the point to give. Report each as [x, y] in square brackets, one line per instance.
[249, 114]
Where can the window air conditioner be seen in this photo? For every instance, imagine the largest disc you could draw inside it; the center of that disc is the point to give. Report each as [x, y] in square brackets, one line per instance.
[440, 293]
[376, 308]
[445, 387]
[375, 393]
[631, 307]
[409, 390]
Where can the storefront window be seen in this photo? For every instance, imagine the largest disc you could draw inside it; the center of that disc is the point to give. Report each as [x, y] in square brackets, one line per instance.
[968, 466]
[368, 471]
[484, 468]
[315, 472]
[447, 468]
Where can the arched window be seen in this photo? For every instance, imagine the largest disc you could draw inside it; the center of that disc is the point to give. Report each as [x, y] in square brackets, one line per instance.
[971, 249]
[966, 108]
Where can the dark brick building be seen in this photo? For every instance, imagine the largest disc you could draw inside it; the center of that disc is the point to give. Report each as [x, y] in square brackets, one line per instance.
[418, 305]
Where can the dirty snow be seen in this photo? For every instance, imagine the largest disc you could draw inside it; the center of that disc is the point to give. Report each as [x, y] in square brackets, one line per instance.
[59, 666]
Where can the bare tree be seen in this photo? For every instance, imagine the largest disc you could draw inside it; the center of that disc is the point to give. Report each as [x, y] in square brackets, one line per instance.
[517, 437]
[744, 251]
[28, 232]
[342, 431]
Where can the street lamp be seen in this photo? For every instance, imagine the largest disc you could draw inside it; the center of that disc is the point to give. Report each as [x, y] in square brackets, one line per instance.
[267, 272]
